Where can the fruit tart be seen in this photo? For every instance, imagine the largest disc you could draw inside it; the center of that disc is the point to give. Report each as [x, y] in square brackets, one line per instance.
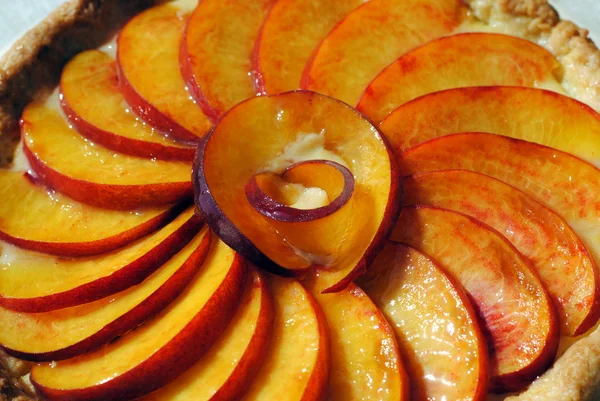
[300, 200]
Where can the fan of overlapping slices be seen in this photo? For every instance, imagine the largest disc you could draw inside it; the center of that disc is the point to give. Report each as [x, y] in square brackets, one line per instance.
[120, 287]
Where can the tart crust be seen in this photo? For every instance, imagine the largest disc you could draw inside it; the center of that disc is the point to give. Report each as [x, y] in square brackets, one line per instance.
[31, 68]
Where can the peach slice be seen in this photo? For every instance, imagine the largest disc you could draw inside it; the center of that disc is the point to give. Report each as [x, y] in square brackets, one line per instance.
[89, 80]
[33, 217]
[297, 364]
[467, 59]
[515, 311]
[534, 115]
[60, 283]
[95, 175]
[559, 257]
[65, 333]
[365, 358]
[147, 358]
[445, 352]
[346, 60]
[279, 131]
[566, 184]
[216, 52]
[227, 370]
[281, 53]
[150, 74]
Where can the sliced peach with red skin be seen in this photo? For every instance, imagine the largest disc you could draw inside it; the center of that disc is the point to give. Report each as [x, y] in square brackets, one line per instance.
[566, 184]
[149, 357]
[92, 174]
[559, 257]
[516, 314]
[227, 370]
[346, 60]
[36, 218]
[216, 52]
[281, 54]
[534, 115]
[297, 364]
[92, 100]
[69, 332]
[61, 282]
[440, 340]
[150, 75]
[466, 59]
[343, 248]
[360, 335]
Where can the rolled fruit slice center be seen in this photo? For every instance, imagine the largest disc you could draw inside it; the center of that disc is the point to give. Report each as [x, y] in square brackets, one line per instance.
[302, 193]
[279, 131]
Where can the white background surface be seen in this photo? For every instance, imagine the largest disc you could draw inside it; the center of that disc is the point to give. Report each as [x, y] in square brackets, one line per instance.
[17, 16]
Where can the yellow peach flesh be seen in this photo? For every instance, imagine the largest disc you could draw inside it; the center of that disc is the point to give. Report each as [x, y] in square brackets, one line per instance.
[219, 42]
[282, 53]
[53, 275]
[89, 80]
[564, 183]
[456, 61]
[515, 310]
[297, 364]
[347, 59]
[33, 212]
[152, 69]
[51, 140]
[530, 114]
[558, 255]
[100, 367]
[440, 340]
[226, 369]
[51, 331]
[365, 361]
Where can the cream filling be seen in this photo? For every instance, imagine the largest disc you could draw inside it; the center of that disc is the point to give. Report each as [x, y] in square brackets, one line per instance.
[307, 146]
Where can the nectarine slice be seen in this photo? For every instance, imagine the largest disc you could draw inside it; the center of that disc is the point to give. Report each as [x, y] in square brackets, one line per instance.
[566, 184]
[276, 132]
[281, 52]
[216, 52]
[534, 115]
[227, 370]
[347, 59]
[36, 218]
[149, 70]
[297, 363]
[65, 333]
[559, 257]
[440, 340]
[60, 283]
[92, 101]
[516, 313]
[92, 174]
[466, 59]
[365, 358]
[147, 358]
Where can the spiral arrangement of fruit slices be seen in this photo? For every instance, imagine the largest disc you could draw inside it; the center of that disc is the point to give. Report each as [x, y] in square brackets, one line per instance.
[120, 288]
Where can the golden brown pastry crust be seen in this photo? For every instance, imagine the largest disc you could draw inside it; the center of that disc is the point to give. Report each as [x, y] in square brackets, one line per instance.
[537, 21]
[33, 65]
